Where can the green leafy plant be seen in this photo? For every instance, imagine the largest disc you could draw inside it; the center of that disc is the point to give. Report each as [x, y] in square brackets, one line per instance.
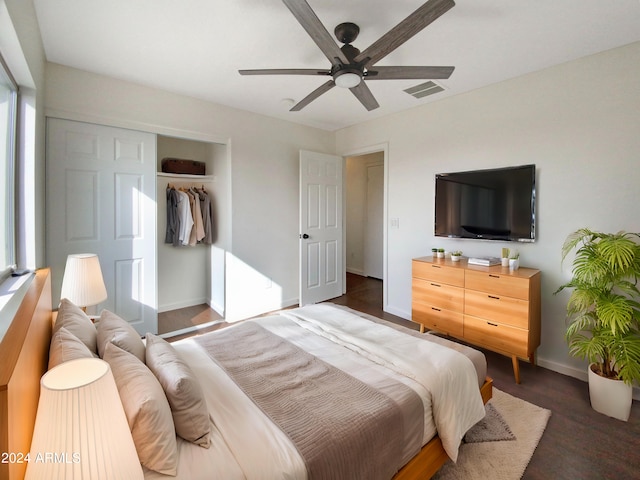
[603, 311]
[456, 253]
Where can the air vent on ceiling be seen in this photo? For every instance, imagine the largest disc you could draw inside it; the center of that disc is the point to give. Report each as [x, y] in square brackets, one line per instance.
[424, 89]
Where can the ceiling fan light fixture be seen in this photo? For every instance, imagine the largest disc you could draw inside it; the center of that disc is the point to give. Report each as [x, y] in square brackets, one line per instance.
[347, 79]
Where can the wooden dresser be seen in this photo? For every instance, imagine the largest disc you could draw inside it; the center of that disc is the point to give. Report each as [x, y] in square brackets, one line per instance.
[491, 307]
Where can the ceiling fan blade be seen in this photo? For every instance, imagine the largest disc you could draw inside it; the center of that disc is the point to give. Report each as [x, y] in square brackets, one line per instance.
[402, 73]
[285, 71]
[406, 29]
[316, 30]
[362, 93]
[325, 87]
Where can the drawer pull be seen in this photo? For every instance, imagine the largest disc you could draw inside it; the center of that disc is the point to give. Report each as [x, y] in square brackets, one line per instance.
[492, 324]
[493, 297]
[435, 266]
[436, 309]
[494, 276]
[435, 285]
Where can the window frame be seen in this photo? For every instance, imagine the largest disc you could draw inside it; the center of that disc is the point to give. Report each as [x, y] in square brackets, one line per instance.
[10, 228]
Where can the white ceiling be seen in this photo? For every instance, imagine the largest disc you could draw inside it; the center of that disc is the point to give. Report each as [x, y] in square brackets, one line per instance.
[196, 47]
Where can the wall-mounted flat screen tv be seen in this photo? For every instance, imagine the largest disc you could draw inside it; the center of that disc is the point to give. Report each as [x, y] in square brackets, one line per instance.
[495, 204]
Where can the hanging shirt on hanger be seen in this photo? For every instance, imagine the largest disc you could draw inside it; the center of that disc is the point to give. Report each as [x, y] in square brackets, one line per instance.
[197, 232]
[186, 219]
[173, 221]
[207, 216]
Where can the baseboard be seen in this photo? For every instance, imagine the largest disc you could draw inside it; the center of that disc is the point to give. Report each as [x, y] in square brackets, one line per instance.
[289, 303]
[398, 312]
[579, 373]
[167, 307]
[355, 271]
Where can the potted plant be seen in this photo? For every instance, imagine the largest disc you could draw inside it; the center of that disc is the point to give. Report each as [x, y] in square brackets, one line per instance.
[456, 255]
[514, 260]
[604, 315]
[505, 257]
[441, 253]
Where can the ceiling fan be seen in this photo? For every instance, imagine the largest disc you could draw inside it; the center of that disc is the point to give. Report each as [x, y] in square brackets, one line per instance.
[349, 66]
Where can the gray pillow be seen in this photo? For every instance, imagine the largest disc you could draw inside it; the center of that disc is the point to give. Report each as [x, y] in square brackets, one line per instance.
[112, 328]
[73, 318]
[65, 346]
[185, 396]
[147, 411]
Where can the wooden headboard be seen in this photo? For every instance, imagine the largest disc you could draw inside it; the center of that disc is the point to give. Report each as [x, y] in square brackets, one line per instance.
[24, 353]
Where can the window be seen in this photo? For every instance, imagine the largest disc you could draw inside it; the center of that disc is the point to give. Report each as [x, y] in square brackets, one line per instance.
[8, 133]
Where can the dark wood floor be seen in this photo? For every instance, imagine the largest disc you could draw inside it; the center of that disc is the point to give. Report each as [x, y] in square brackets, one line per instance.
[578, 443]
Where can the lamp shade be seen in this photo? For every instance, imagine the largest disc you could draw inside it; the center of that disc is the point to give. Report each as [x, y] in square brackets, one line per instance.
[81, 429]
[82, 283]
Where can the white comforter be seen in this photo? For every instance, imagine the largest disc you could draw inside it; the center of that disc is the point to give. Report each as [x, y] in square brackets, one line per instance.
[247, 444]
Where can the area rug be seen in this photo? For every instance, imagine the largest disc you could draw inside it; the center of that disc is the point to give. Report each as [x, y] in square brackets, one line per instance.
[501, 446]
[492, 428]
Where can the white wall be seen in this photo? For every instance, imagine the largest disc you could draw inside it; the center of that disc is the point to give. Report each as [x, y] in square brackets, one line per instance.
[262, 253]
[578, 122]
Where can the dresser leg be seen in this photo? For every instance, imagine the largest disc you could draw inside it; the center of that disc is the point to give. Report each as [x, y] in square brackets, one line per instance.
[516, 368]
[421, 328]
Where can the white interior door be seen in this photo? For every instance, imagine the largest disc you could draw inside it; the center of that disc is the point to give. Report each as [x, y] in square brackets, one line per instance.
[101, 198]
[321, 230]
[373, 245]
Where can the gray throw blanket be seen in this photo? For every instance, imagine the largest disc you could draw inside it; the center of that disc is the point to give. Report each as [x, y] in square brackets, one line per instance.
[342, 428]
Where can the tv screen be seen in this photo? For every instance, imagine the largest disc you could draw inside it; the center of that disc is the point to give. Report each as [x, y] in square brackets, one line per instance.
[496, 204]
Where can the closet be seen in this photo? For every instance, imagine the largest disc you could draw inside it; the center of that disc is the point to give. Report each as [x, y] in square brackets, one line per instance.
[109, 197]
[191, 275]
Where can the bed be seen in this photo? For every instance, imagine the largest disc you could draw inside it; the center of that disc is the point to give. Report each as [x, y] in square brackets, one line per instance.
[245, 438]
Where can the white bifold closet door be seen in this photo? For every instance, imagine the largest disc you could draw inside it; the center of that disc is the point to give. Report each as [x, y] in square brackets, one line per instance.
[101, 198]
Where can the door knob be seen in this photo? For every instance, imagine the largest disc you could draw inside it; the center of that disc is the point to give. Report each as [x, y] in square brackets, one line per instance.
[304, 235]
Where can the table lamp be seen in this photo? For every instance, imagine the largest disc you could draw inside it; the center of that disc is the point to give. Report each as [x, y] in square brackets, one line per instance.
[82, 283]
[81, 430]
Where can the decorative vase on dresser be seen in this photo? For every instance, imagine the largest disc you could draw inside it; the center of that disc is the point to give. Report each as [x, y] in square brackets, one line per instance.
[491, 307]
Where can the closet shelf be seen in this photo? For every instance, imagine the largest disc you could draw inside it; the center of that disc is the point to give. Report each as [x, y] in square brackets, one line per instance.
[184, 176]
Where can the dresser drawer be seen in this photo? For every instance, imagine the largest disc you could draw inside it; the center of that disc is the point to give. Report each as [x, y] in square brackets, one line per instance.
[438, 319]
[438, 294]
[497, 308]
[497, 284]
[495, 336]
[439, 273]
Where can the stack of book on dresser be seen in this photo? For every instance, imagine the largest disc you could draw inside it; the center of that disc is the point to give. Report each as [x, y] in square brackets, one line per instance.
[484, 261]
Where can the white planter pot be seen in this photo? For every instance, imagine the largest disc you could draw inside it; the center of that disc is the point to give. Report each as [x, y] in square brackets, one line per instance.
[610, 397]
[455, 258]
[514, 263]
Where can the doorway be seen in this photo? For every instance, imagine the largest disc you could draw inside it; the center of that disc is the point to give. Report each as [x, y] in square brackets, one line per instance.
[364, 211]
